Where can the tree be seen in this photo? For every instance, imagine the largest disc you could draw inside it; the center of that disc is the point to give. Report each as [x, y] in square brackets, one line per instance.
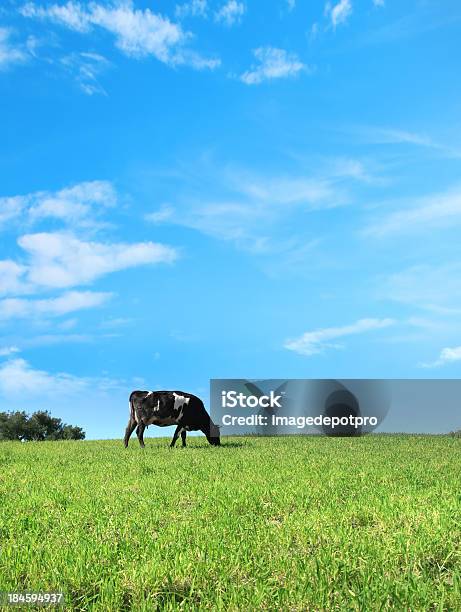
[38, 427]
[42, 426]
[71, 432]
[14, 426]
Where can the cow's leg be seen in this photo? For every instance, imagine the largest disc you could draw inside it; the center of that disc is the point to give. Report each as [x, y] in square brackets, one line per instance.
[140, 433]
[175, 436]
[129, 430]
[183, 437]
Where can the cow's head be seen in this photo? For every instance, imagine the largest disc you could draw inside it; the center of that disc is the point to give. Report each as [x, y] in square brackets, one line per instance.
[214, 438]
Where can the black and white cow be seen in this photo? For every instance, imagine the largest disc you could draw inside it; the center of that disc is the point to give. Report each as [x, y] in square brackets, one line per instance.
[164, 408]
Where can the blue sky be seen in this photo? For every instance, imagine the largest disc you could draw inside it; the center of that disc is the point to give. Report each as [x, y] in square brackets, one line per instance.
[225, 189]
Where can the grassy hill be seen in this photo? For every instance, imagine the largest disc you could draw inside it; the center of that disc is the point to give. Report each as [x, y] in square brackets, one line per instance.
[260, 523]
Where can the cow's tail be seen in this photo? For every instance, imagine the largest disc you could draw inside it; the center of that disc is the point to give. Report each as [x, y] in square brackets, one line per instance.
[131, 408]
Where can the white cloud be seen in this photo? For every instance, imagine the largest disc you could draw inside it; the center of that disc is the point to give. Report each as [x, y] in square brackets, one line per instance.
[9, 54]
[379, 2]
[194, 8]
[23, 386]
[76, 205]
[196, 61]
[435, 288]
[85, 69]
[11, 208]
[438, 210]
[338, 13]
[384, 135]
[285, 190]
[316, 341]
[230, 13]
[7, 351]
[261, 204]
[12, 277]
[33, 44]
[72, 14]
[273, 64]
[447, 356]
[71, 301]
[116, 322]
[18, 374]
[68, 324]
[56, 339]
[313, 32]
[291, 4]
[397, 136]
[223, 220]
[61, 260]
[138, 33]
[72, 204]
[254, 205]
[164, 213]
[39, 385]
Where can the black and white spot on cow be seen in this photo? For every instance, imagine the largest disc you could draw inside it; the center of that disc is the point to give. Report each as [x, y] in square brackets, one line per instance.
[179, 401]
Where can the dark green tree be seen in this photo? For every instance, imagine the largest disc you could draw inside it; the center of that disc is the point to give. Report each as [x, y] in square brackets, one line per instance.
[71, 432]
[42, 426]
[38, 427]
[14, 426]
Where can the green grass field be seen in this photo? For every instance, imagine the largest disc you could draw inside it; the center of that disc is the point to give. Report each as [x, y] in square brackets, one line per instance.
[258, 524]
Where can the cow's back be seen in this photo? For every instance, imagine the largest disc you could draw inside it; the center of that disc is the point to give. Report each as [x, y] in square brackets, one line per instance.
[194, 412]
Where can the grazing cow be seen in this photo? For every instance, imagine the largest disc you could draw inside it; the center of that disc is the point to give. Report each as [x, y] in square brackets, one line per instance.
[164, 408]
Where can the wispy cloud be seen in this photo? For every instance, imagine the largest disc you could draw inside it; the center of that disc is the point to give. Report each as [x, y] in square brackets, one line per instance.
[194, 8]
[249, 206]
[284, 190]
[338, 13]
[10, 54]
[447, 356]
[7, 351]
[61, 260]
[314, 342]
[431, 287]
[164, 213]
[230, 13]
[425, 214]
[11, 208]
[313, 32]
[379, 3]
[72, 301]
[398, 136]
[78, 205]
[138, 33]
[85, 68]
[51, 261]
[12, 278]
[259, 206]
[34, 383]
[272, 64]
[71, 14]
[116, 322]
[57, 339]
